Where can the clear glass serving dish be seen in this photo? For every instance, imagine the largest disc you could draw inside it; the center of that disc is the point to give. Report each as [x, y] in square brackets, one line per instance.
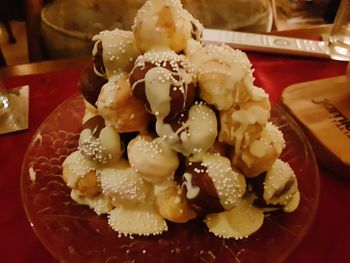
[74, 233]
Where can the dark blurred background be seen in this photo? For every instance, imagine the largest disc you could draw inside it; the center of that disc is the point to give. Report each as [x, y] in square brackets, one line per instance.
[21, 38]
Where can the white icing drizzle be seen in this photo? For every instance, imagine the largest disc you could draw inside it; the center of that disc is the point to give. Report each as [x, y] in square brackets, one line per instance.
[192, 191]
[243, 119]
[157, 88]
[292, 203]
[271, 136]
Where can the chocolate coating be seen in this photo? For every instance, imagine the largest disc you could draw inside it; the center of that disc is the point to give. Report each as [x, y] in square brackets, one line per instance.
[90, 84]
[98, 59]
[207, 200]
[177, 103]
[95, 124]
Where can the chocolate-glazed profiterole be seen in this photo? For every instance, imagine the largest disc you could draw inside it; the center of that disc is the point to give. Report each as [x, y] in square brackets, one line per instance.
[114, 52]
[90, 84]
[99, 142]
[212, 185]
[191, 134]
[164, 82]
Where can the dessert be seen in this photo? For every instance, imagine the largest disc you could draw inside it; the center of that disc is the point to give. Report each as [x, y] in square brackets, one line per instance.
[175, 130]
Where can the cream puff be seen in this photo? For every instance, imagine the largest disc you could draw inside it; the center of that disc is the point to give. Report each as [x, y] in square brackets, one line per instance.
[164, 25]
[243, 123]
[212, 185]
[152, 158]
[173, 205]
[194, 132]
[123, 186]
[224, 75]
[114, 52]
[281, 186]
[260, 155]
[99, 142]
[120, 108]
[163, 81]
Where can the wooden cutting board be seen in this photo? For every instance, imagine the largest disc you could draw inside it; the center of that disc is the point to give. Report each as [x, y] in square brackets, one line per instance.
[323, 109]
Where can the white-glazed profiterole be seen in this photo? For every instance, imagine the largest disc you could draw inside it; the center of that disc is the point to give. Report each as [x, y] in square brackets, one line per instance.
[164, 25]
[152, 158]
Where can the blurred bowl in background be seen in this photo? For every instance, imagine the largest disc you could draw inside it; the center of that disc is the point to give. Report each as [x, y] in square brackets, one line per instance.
[68, 25]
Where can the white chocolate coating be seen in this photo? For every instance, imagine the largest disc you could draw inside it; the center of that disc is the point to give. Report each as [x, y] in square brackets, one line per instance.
[230, 185]
[104, 149]
[238, 223]
[192, 190]
[196, 135]
[152, 159]
[100, 204]
[137, 220]
[159, 80]
[242, 123]
[123, 185]
[119, 51]
[271, 136]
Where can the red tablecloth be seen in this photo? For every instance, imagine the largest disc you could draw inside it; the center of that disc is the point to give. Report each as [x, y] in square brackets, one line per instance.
[327, 241]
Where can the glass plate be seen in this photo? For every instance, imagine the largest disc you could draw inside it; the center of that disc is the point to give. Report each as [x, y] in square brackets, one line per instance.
[74, 233]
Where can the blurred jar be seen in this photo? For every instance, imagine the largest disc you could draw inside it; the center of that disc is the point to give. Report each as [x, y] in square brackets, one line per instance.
[339, 37]
[292, 14]
[240, 15]
[68, 25]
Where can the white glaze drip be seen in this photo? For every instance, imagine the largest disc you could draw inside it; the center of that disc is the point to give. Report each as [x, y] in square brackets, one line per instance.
[192, 191]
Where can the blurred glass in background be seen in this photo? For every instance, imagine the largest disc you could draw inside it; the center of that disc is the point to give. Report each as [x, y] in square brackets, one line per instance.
[293, 14]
